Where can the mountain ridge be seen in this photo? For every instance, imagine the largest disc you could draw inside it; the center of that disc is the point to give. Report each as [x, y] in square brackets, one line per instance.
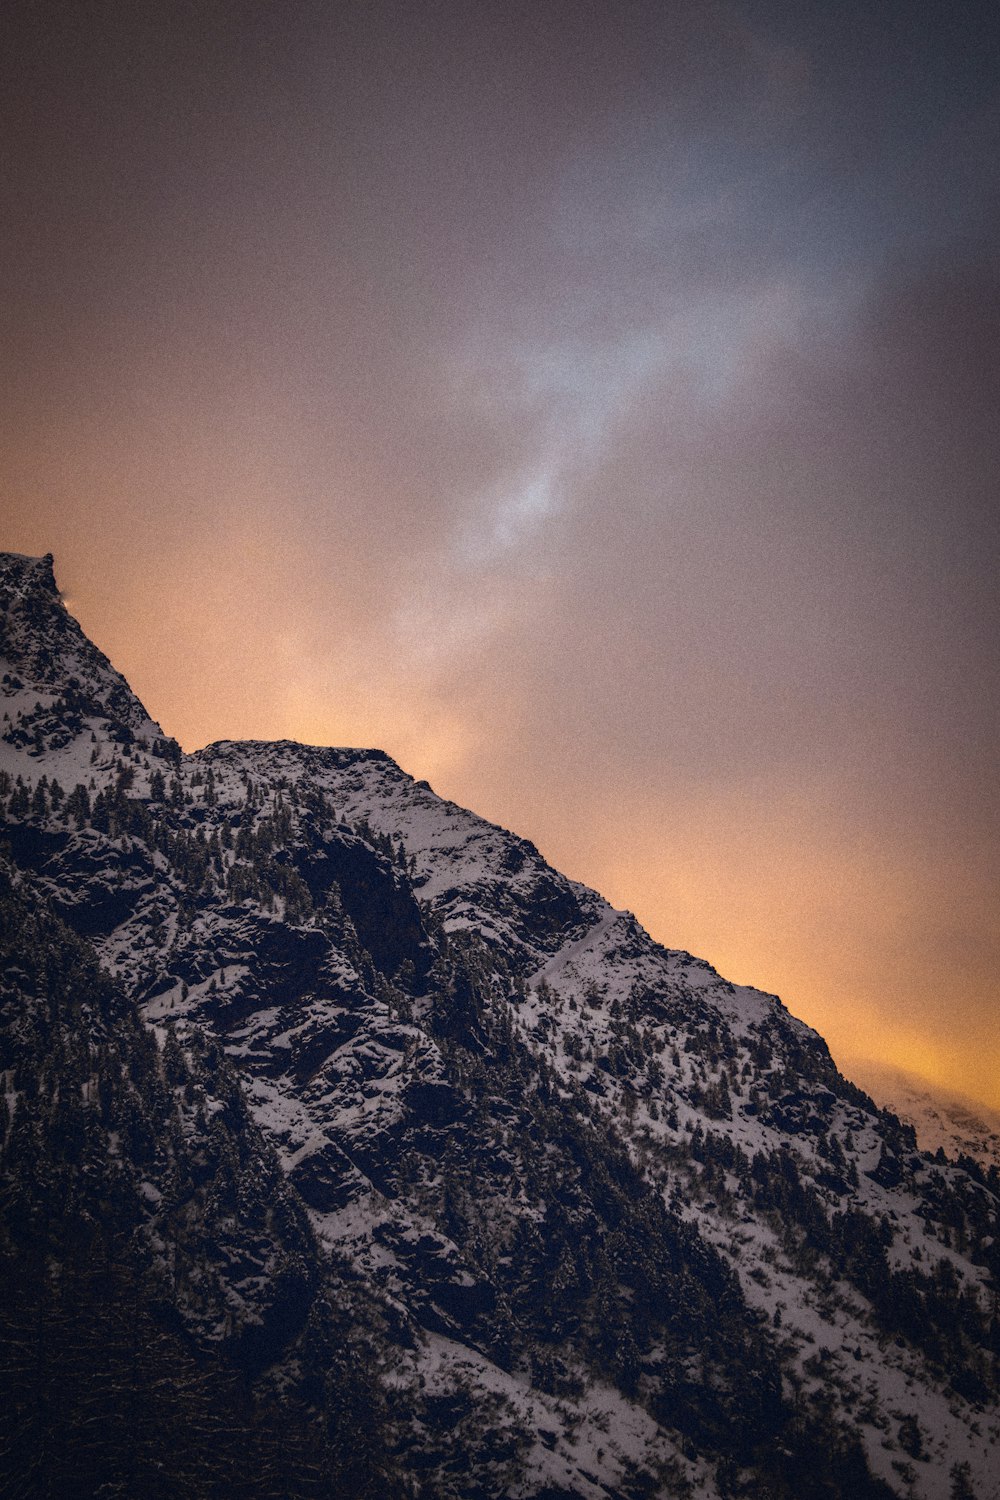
[590, 1183]
[942, 1118]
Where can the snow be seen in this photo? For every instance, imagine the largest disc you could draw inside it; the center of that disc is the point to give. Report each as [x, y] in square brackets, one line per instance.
[583, 981]
[588, 1455]
[943, 1120]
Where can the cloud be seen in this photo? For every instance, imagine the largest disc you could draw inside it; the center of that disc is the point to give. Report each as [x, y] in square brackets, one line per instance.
[592, 405]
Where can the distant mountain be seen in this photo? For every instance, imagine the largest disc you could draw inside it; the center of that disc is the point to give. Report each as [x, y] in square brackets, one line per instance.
[942, 1120]
[423, 1162]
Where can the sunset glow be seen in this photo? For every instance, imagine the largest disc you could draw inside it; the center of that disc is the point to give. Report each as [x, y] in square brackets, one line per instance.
[597, 413]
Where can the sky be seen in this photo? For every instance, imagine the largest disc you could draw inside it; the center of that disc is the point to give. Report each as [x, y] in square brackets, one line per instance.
[591, 404]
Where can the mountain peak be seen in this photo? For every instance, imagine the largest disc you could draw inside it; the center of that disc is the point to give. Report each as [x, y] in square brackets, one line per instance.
[614, 1225]
[22, 574]
[59, 689]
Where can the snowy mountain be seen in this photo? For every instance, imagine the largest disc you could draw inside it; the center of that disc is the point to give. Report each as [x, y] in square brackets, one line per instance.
[942, 1120]
[369, 1076]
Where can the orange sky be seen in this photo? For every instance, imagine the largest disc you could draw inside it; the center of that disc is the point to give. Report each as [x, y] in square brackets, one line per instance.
[598, 417]
[882, 935]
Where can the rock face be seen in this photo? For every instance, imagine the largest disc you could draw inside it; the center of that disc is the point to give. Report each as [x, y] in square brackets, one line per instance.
[470, 1187]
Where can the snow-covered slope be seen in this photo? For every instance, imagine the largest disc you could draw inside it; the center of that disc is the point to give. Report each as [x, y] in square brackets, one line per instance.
[61, 695]
[630, 1212]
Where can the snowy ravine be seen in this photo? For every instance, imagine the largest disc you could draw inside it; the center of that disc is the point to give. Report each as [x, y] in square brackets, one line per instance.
[623, 1227]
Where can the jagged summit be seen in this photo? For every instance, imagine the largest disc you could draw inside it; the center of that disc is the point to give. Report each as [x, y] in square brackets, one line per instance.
[20, 572]
[58, 688]
[600, 1223]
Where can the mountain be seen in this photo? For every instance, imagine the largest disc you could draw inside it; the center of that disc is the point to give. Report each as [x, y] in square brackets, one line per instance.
[423, 1171]
[942, 1120]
